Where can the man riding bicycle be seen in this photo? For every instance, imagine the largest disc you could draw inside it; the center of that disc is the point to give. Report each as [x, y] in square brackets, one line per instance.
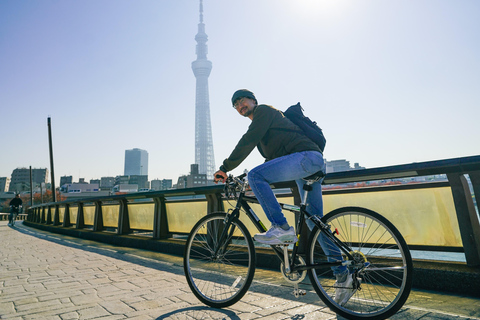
[14, 204]
[290, 155]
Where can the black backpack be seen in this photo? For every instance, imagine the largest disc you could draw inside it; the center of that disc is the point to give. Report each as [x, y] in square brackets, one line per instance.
[309, 127]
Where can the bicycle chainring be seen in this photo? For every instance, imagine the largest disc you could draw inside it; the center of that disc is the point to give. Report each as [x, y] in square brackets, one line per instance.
[295, 276]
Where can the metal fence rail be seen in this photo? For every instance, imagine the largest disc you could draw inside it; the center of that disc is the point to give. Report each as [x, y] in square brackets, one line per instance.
[431, 216]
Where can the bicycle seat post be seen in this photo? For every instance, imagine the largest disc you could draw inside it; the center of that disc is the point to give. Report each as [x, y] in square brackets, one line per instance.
[307, 187]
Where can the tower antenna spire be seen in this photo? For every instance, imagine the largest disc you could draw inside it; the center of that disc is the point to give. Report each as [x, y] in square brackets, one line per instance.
[201, 68]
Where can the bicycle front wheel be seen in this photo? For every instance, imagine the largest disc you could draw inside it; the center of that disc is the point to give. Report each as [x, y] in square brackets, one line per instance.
[219, 270]
[381, 270]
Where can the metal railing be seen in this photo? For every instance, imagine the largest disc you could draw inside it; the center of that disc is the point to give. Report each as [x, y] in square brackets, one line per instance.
[20, 216]
[432, 216]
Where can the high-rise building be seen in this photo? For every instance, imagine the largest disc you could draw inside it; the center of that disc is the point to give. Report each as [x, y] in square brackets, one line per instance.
[21, 179]
[4, 184]
[201, 67]
[136, 162]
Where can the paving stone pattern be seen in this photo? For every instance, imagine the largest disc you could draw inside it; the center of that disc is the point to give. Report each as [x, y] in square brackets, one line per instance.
[48, 276]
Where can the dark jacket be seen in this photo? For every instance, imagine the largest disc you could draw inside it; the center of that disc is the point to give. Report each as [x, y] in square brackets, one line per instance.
[273, 134]
[15, 202]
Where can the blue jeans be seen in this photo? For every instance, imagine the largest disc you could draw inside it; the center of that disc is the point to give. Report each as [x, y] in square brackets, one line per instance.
[292, 167]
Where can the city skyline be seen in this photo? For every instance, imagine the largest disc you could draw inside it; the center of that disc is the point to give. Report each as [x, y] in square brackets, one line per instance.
[389, 82]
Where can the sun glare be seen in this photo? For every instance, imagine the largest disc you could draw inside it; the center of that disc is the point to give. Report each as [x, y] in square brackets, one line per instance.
[316, 8]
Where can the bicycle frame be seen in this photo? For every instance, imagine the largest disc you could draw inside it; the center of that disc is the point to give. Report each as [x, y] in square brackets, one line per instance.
[242, 203]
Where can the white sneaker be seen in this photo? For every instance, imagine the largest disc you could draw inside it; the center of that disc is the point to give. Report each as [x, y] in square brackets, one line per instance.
[277, 235]
[343, 288]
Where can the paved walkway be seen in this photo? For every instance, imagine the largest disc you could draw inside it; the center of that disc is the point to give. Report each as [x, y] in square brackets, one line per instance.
[49, 276]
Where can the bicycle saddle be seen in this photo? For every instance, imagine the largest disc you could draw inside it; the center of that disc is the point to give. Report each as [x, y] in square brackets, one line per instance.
[316, 176]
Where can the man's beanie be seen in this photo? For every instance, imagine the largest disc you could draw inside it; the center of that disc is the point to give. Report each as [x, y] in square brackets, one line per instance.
[243, 93]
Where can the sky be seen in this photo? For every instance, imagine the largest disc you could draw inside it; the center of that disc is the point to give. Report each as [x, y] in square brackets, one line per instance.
[389, 82]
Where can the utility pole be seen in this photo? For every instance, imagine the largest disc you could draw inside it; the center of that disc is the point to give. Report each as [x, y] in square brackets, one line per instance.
[54, 194]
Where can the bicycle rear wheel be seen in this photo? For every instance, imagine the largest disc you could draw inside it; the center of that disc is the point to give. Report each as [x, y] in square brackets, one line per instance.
[381, 272]
[219, 272]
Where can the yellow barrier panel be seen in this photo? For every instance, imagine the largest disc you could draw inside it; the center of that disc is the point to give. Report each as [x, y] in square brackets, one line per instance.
[141, 216]
[89, 215]
[423, 216]
[61, 213]
[73, 214]
[182, 216]
[110, 215]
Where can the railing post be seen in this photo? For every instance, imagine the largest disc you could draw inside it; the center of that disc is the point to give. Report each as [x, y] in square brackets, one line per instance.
[56, 216]
[214, 202]
[123, 221]
[39, 216]
[160, 221]
[66, 216]
[49, 217]
[80, 217]
[98, 220]
[475, 179]
[43, 218]
[467, 218]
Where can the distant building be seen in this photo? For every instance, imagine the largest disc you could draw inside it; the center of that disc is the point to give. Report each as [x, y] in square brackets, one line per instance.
[4, 184]
[20, 180]
[107, 183]
[121, 180]
[66, 180]
[136, 162]
[341, 165]
[194, 179]
[95, 181]
[125, 188]
[158, 185]
[141, 181]
[80, 188]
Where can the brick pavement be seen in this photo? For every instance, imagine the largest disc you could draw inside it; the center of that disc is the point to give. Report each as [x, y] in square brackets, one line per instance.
[49, 276]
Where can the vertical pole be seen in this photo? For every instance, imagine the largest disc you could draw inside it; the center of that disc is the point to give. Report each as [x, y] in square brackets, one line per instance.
[54, 195]
[31, 188]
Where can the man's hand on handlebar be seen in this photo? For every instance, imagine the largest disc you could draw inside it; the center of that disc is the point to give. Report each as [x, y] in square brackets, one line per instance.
[219, 176]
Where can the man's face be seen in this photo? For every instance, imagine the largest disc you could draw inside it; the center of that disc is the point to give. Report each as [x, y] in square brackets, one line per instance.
[245, 106]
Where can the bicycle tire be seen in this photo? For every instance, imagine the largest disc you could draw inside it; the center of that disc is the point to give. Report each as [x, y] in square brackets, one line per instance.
[222, 280]
[384, 283]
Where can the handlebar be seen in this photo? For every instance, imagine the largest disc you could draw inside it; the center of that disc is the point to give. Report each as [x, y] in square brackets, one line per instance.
[235, 184]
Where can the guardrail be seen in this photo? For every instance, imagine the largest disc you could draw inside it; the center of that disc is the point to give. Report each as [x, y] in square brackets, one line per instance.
[432, 216]
[21, 216]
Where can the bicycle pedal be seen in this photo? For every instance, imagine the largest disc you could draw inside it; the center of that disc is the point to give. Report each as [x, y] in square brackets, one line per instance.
[299, 292]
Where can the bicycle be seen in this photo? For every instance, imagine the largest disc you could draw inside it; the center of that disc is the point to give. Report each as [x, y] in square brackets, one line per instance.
[14, 211]
[219, 256]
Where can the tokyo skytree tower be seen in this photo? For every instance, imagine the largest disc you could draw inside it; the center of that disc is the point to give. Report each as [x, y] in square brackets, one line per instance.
[201, 67]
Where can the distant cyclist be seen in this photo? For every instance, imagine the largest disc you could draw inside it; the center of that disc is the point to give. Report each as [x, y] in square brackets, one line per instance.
[15, 205]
